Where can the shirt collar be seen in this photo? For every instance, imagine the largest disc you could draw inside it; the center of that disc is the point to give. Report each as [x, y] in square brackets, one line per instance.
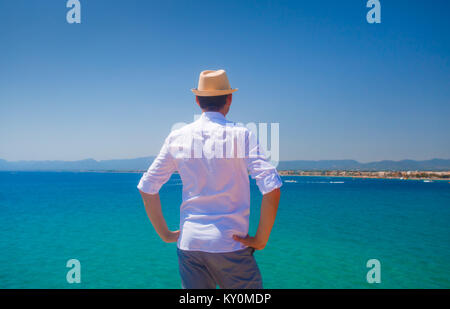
[213, 116]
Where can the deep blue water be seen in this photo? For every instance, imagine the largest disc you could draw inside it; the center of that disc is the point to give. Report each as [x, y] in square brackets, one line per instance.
[326, 230]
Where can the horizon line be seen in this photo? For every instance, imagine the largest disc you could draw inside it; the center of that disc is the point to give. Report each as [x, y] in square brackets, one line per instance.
[154, 156]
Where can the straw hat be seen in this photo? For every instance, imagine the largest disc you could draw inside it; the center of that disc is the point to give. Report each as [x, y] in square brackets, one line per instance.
[213, 83]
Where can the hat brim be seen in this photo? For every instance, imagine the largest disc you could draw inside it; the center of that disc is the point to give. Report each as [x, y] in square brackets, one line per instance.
[212, 93]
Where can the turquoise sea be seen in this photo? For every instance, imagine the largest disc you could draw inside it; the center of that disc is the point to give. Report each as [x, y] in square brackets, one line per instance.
[326, 230]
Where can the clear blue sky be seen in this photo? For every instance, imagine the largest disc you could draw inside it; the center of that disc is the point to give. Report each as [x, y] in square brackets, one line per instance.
[112, 86]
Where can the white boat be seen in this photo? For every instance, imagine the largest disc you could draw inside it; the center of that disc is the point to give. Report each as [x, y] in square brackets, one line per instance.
[427, 181]
[290, 180]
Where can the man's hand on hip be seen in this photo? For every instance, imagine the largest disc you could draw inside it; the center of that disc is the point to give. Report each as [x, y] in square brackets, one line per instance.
[171, 236]
[250, 242]
[152, 205]
[269, 207]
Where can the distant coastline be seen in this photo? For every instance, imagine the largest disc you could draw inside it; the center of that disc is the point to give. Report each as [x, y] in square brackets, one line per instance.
[403, 175]
[139, 164]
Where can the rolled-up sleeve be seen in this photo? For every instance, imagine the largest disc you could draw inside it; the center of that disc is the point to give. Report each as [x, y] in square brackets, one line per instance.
[265, 174]
[159, 172]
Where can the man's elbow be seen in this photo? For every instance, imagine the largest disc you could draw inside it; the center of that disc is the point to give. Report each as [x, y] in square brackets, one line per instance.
[277, 192]
[274, 195]
[148, 198]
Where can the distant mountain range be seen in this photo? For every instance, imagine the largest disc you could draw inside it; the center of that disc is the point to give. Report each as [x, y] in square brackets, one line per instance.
[305, 165]
[81, 165]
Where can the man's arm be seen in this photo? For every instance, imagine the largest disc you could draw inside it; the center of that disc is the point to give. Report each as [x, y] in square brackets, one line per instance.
[152, 205]
[158, 174]
[269, 207]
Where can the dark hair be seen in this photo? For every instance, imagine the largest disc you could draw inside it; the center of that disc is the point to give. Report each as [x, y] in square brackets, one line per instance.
[212, 104]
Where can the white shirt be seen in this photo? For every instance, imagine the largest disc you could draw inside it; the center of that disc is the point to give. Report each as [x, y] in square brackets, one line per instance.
[213, 157]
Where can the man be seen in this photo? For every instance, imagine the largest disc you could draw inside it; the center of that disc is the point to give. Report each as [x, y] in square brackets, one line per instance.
[213, 157]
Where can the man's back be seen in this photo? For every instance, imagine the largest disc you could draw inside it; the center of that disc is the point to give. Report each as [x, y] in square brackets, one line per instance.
[213, 157]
